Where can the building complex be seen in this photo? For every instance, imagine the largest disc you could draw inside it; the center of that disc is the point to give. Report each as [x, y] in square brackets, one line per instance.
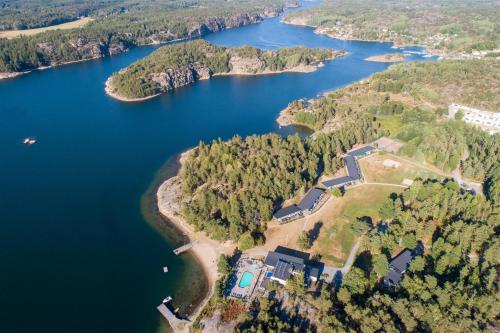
[313, 197]
[487, 120]
[352, 168]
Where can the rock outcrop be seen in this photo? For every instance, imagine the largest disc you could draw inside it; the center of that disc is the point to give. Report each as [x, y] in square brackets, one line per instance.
[176, 78]
[241, 65]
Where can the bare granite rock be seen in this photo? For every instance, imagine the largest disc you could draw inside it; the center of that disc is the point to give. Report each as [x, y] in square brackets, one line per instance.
[175, 78]
[88, 48]
[240, 65]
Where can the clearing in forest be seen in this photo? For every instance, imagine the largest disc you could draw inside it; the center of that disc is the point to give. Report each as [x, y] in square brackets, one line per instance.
[376, 171]
[9, 34]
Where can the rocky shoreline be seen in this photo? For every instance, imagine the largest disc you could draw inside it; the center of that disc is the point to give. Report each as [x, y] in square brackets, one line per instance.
[171, 79]
[387, 58]
[95, 49]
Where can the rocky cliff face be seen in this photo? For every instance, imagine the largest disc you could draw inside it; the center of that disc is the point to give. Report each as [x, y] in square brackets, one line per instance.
[85, 49]
[91, 48]
[175, 78]
[250, 65]
[214, 24]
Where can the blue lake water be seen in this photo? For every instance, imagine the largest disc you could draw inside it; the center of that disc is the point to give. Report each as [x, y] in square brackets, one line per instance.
[76, 251]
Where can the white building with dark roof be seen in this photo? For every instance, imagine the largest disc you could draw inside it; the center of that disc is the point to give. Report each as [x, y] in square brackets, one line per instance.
[282, 266]
[351, 165]
[311, 200]
[286, 214]
[486, 120]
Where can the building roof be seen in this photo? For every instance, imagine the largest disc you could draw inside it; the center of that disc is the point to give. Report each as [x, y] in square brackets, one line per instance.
[283, 270]
[397, 267]
[287, 211]
[361, 151]
[352, 167]
[393, 278]
[273, 258]
[314, 271]
[311, 198]
[337, 181]
[401, 262]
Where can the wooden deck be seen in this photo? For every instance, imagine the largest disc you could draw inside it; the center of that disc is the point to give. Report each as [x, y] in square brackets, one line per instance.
[183, 248]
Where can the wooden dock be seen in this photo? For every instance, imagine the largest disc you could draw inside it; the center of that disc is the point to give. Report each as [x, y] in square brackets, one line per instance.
[178, 325]
[183, 248]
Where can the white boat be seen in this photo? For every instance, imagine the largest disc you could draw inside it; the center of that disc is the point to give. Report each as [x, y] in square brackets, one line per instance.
[167, 299]
[165, 269]
[29, 141]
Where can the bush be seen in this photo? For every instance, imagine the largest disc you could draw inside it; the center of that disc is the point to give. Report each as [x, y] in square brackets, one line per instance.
[246, 241]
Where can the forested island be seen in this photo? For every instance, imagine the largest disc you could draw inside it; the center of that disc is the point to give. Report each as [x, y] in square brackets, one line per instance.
[117, 27]
[174, 66]
[453, 29]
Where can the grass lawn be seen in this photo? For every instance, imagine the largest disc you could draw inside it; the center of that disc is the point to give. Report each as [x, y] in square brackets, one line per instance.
[375, 172]
[390, 123]
[336, 238]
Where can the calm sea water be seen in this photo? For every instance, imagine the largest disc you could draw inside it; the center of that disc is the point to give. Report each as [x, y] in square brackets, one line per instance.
[76, 251]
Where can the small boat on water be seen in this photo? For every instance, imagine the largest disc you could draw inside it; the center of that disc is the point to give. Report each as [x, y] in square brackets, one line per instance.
[165, 269]
[167, 299]
[29, 141]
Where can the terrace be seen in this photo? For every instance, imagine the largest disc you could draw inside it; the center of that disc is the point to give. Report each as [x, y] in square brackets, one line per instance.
[242, 283]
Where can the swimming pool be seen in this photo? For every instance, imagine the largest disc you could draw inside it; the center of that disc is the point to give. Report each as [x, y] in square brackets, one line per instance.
[246, 280]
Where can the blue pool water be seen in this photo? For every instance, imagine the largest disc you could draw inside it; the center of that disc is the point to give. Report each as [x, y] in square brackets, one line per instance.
[246, 280]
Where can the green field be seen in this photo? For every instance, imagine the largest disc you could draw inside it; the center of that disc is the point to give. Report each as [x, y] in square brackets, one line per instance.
[336, 237]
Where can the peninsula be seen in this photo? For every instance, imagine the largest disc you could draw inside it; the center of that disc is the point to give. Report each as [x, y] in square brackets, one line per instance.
[175, 66]
[228, 194]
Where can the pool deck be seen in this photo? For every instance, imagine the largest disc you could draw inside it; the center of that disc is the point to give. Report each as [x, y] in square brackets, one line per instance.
[245, 265]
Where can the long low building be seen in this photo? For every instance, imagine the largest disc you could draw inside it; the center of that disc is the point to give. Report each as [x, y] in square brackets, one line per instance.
[306, 205]
[487, 120]
[287, 213]
[361, 152]
[351, 165]
[311, 200]
[338, 182]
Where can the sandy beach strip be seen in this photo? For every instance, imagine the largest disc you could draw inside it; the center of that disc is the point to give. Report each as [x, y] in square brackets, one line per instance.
[108, 88]
[205, 250]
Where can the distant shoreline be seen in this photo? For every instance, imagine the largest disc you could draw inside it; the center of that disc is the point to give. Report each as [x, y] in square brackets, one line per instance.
[9, 75]
[324, 32]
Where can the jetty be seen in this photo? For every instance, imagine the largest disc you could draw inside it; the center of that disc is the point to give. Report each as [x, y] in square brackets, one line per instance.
[177, 324]
[183, 248]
